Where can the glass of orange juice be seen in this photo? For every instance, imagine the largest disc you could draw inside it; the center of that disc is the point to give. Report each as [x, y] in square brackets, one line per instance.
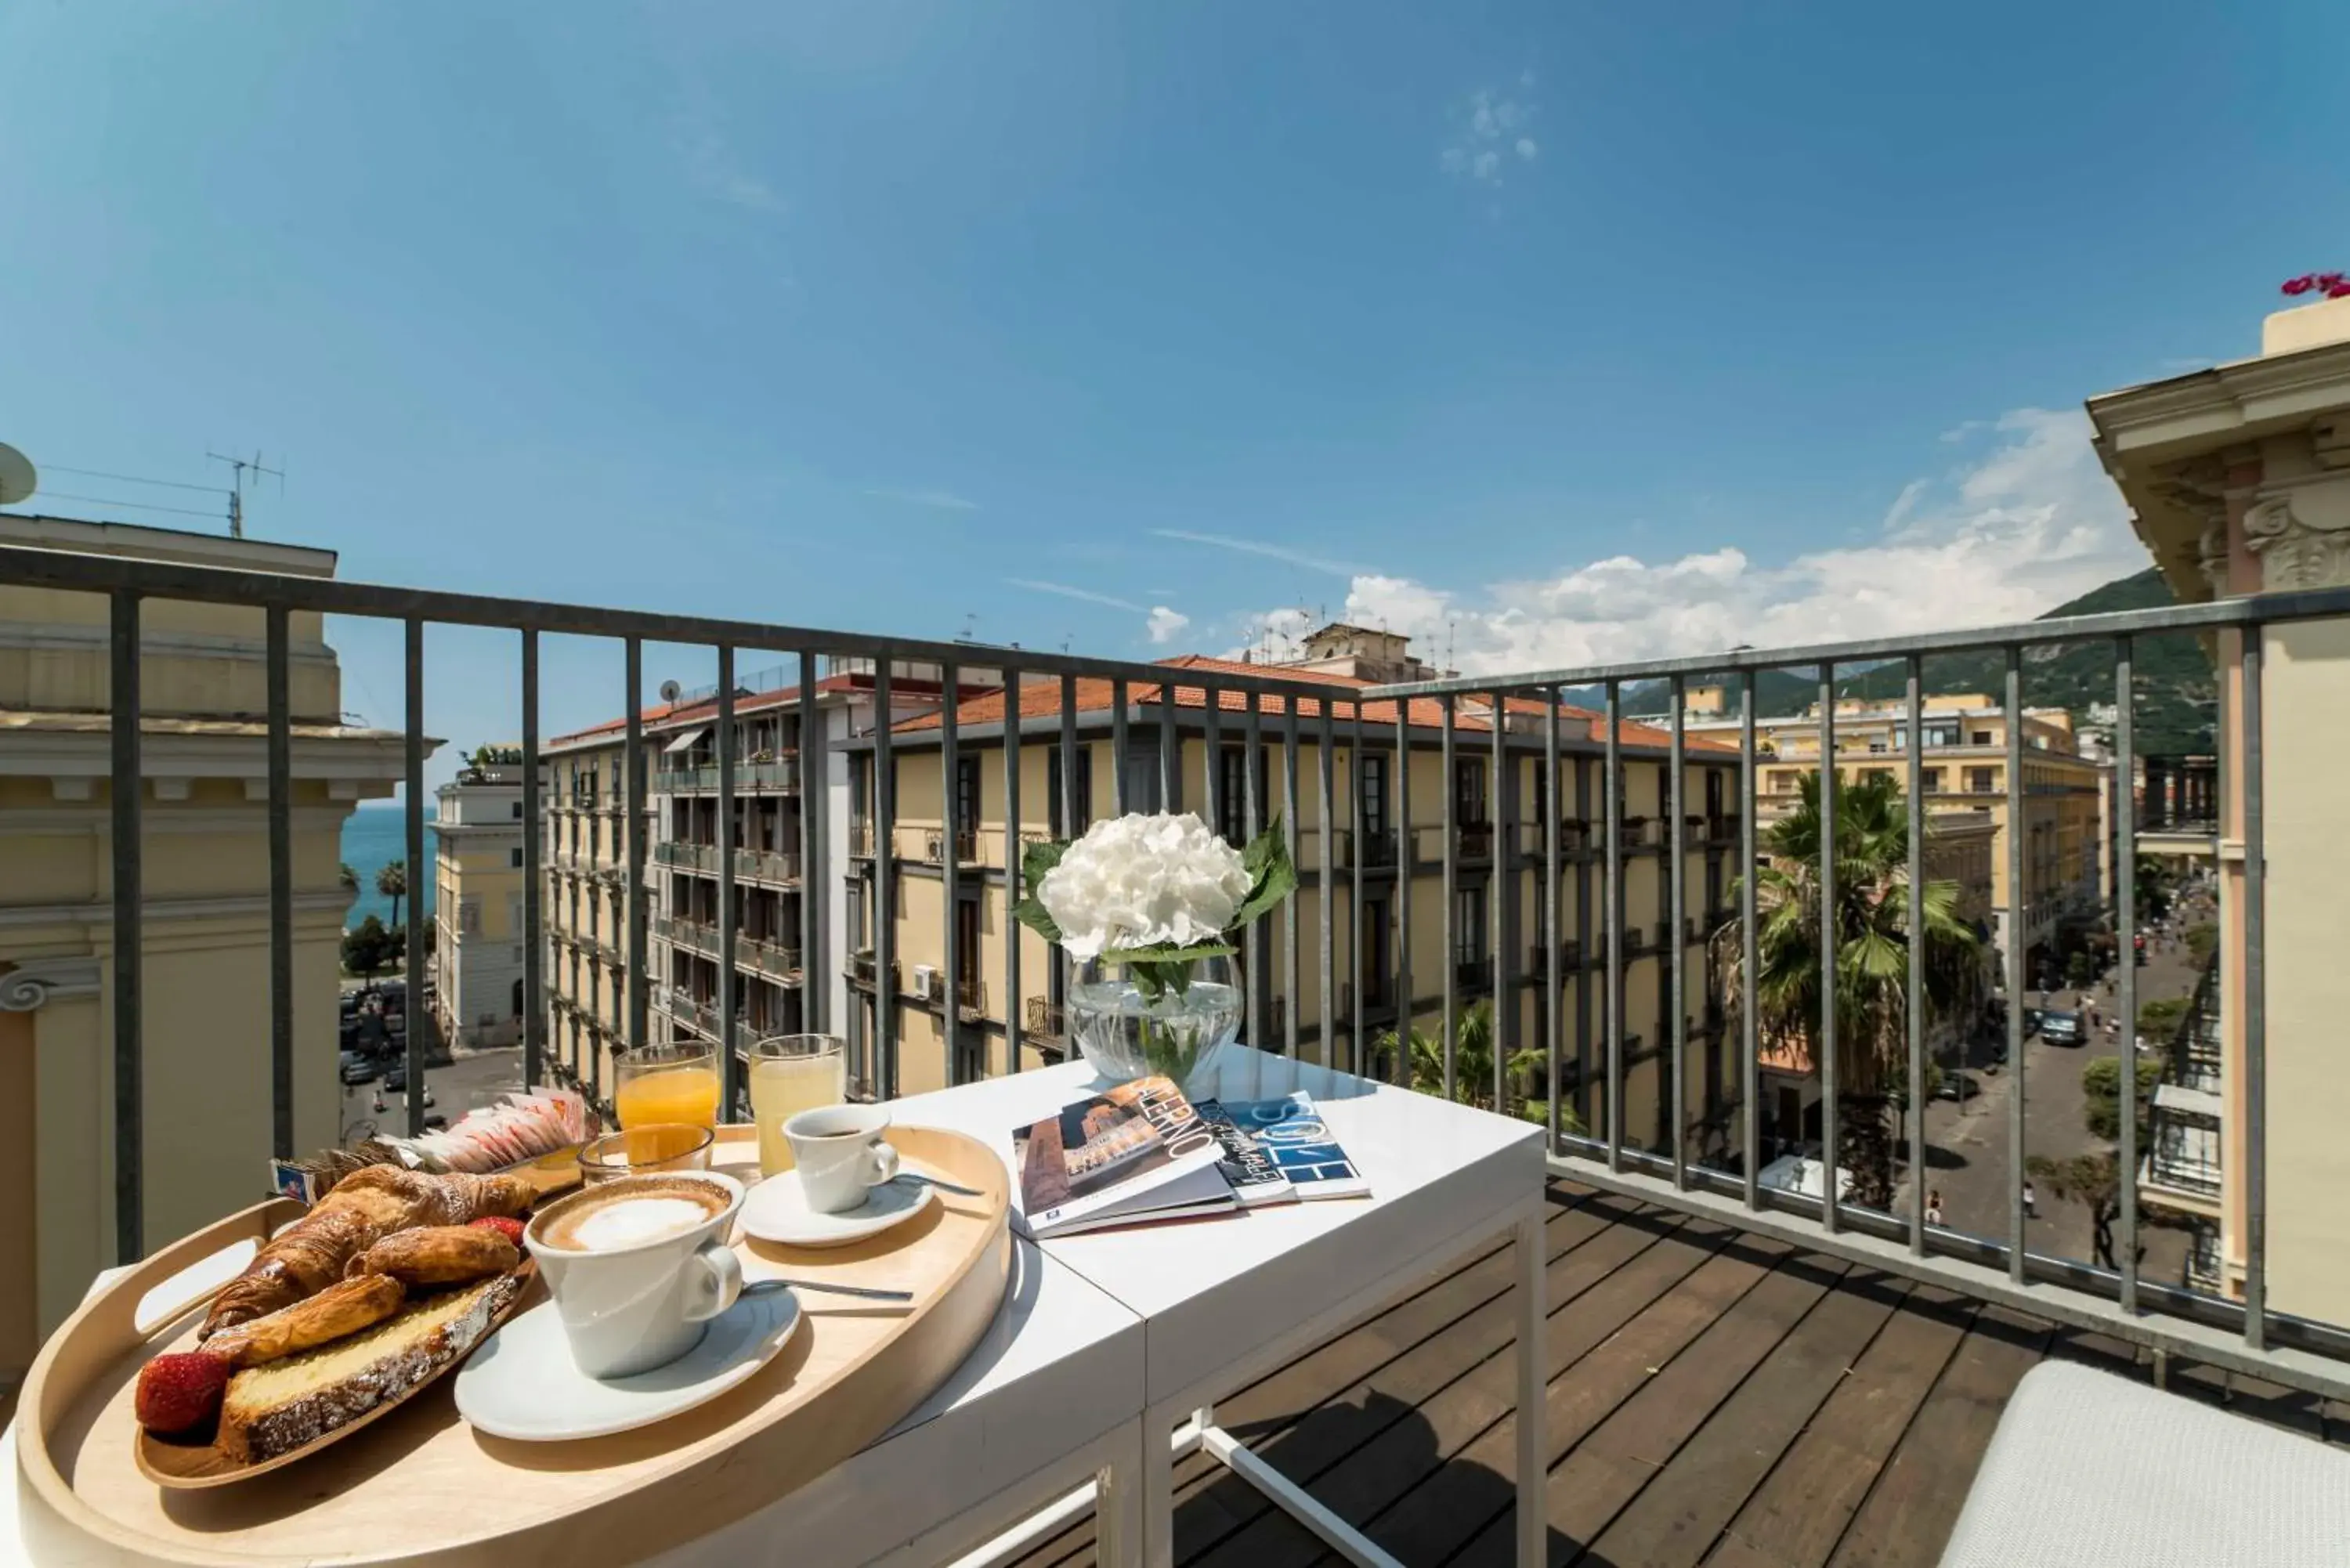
[668, 1084]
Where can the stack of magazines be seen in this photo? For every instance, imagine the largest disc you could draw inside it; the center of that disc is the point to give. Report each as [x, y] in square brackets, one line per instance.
[1140, 1152]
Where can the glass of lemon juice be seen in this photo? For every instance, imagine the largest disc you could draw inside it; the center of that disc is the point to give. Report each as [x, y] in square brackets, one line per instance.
[791, 1074]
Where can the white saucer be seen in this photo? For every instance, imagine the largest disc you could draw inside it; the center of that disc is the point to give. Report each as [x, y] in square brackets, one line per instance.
[522, 1383]
[777, 1211]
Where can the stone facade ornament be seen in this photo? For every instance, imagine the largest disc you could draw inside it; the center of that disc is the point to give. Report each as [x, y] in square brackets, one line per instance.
[2301, 539]
[37, 982]
[2212, 559]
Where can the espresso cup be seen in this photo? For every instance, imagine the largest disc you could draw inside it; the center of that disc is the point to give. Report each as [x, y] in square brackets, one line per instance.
[635, 1273]
[838, 1152]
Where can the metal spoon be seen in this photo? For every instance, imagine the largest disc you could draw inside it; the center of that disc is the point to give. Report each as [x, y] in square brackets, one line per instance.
[941, 1186]
[762, 1287]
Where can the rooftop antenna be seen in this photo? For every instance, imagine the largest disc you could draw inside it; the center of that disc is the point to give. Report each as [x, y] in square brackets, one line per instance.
[970, 626]
[236, 495]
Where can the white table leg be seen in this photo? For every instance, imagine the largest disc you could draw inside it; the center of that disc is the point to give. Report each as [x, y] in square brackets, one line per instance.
[1156, 1505]
[1533, 1390]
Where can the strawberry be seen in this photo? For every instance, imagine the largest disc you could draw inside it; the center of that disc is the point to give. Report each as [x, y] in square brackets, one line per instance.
[180, 1391]
[510, 1228]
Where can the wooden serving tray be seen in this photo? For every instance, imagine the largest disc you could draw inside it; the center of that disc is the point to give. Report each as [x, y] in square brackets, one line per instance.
[421, 1488]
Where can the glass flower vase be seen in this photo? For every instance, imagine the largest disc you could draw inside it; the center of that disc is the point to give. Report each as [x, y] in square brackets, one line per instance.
[1174, 1025]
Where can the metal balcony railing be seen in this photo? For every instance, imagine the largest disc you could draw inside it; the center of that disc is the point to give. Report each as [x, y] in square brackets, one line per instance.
[1046, 1017]
[1153, 708]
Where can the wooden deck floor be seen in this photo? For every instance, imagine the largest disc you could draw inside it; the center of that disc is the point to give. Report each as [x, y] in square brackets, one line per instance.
[1715, 1397]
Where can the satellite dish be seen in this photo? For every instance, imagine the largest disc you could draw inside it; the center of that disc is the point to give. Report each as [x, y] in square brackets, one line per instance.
[16, 477]
[671, 690]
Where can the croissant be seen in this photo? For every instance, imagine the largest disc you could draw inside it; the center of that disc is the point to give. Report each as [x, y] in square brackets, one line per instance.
[314, 1252]
[337, 1311]
[438, 1255]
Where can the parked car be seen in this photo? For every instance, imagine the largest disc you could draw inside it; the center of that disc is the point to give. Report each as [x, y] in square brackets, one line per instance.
[1956, 1087]
[2063, 1029]
[396, 1080]
[359, 1067]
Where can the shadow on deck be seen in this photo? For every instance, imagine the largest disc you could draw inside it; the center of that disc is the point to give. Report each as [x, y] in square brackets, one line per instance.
[1715, 1397]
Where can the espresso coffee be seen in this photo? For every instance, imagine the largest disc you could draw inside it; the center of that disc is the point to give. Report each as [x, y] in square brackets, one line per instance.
[630, 1213]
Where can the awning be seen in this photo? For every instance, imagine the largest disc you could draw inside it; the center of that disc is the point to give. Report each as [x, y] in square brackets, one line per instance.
[684, 743]
[2193, 1102]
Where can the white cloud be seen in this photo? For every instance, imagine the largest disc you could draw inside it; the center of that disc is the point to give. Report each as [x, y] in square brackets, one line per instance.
[1258, 547]
[2024, 525]
[937, 500]
[1066, 592]
[1488, 128]
[1167, 625]
[712, 168]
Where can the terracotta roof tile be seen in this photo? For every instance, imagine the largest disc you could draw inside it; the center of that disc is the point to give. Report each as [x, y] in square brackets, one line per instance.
[1041, 699]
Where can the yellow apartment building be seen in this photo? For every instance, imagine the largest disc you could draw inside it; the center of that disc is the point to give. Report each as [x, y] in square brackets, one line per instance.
[790, 806]
[477, 926]
[205, 871]
[1496, 906]
[1964, 772]
[2238, 480]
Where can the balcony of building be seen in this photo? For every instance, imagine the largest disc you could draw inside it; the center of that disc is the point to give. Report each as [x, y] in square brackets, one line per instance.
[1734, 1373]
[774, 773]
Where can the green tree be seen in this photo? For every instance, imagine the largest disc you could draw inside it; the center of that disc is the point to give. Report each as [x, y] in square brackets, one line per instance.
[1870, 969]
[392, 883]
[2101, 1082]
[1472, 1057]
[2158, 1020]
[2157, 883]
[2201, 939]
[367, 949]
[2080, 969]
[348, 878]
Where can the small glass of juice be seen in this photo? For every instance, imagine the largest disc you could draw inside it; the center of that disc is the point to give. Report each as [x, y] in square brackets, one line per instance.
[668, 1084]
[791, 1074]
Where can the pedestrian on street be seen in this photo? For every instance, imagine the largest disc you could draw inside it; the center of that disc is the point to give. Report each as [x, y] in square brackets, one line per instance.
[1933, 1209]
[2031, 1202]
[2093, 1017]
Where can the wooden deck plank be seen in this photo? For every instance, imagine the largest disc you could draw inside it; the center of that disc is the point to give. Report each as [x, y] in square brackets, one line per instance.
[1907, 1514]
[1795, 1517]
[1411, 1440]
[1676, 1517]
[1434, 1518]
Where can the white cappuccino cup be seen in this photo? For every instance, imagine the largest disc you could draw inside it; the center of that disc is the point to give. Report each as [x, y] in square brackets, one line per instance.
[638, 1265]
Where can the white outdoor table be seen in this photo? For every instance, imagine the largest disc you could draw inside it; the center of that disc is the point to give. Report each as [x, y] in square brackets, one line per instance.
[1223, 1302]
[1045, 1407]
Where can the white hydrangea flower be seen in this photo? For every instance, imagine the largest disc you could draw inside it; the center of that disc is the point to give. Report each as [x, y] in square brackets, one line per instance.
[1141, 881]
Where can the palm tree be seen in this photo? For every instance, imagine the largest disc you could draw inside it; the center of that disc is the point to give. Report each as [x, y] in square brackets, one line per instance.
[1871, 965]
[392, 883]
[1472, 1060]
[348, 878]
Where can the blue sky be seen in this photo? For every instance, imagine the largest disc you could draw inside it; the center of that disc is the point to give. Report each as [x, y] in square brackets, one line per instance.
[1542, 332]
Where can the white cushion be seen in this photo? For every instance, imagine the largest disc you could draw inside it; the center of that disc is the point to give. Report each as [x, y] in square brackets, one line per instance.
[2089, 1469]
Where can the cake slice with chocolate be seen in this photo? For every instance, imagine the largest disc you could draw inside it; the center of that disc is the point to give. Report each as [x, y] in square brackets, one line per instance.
[278, 1406]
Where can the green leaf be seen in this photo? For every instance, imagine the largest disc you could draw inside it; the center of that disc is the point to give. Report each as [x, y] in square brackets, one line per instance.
[1273, 879]
[1039, 859]
[1167, 952]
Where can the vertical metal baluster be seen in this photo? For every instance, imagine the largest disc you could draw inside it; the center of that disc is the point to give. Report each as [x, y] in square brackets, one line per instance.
[1451, 897]
[1358, 1046]
[127, 787]
[419, 1017]
[1014, 848]
[1749, 1026]
[2126, 984]
[636, 1032]
[1406, 861]
[2015, 943]
[1212, 783]
[1072, 825]
[281, 889]
[1499, 889]
[817, 980]
[1119, 804]
[1677, 911]
[950, 874]
[1554, 998]
[534, 869]
[1170, 752]
[1329, 770]
[1293, 984]
[732, 1082]
[1256, 991]
[885, 886]
[2256, 1023]
[1612, 791]
[1831, 951]
[1914, 740]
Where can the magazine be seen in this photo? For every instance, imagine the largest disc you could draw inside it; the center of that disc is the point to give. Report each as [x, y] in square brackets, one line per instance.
[1138, 1151]
[1255, 1175]
[1292, 1131]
